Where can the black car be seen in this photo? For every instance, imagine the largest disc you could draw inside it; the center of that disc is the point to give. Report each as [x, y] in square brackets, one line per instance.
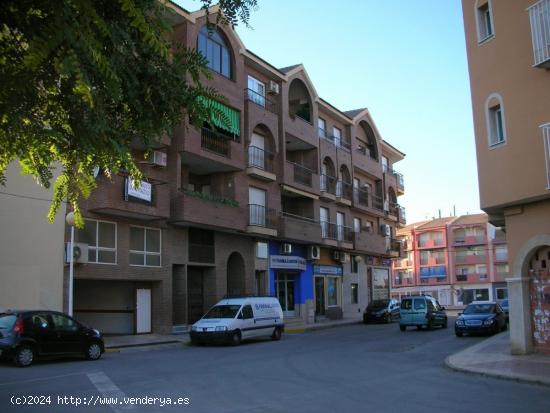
[382, 310]
[480, 317]
[25, 335]
[506, 308]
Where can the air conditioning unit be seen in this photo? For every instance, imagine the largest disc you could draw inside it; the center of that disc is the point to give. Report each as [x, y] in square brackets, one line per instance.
[344, 257]
[336, 255]
[158, 158]
[314, 252]
[286, 249]
[273, 87]
[386, 206]
[80, 253]
[386, 230]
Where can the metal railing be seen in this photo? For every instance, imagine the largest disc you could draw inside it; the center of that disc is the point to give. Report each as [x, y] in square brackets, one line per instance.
[328, 230]
[344, 234]
[260, 158]
[361, 197]
[344, 190]
[260, 216]
[302, 174]
[335, 140]
[539, 14]
[297, 217]
[470, 258]
[400, 180]
[396, 245]
[261, 100]
[377, 202]
[328, 184]
[215, 142]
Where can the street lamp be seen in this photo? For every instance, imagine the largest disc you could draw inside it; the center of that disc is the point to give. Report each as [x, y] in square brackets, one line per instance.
[69, 219]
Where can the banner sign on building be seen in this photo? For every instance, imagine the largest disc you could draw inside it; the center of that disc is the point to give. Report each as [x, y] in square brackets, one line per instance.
[328, 269]
[144, 191]
[287, 262]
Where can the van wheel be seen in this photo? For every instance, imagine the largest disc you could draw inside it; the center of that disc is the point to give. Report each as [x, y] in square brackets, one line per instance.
[402, 327]
[276, 334]
[235, 338]
[24, 356]
[419, 327]
[93, 351]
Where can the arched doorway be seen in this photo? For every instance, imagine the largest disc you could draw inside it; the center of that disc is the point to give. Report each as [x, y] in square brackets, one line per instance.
[539, 293]
[235, 275]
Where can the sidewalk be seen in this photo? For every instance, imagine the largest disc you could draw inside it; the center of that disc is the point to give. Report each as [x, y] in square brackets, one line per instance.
[142, 340]
[492, 357]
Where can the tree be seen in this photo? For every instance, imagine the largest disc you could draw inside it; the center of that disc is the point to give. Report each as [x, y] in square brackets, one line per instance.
[82, 81]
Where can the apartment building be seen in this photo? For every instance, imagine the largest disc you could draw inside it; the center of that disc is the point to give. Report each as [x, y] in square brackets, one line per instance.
[455, 259]
[508, 45]
[295, 198]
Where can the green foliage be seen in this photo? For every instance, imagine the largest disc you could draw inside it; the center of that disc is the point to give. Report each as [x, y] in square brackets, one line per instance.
[213, 198]
[82, 82]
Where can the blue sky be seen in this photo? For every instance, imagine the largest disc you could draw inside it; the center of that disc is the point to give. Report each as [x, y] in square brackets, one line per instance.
[404, 60]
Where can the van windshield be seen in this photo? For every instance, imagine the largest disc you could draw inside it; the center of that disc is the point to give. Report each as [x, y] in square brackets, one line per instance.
[223, 311]
[7, 321]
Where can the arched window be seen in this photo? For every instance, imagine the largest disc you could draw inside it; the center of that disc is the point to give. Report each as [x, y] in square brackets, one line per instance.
[299, 101]
[495, 121]
[214, 47]
[372, 148]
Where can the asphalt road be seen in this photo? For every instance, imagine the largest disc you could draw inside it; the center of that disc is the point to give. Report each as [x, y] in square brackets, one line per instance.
[359, 368]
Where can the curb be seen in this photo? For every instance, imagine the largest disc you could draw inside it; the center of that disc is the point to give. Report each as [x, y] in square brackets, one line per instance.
[316, 327]
[155, 343]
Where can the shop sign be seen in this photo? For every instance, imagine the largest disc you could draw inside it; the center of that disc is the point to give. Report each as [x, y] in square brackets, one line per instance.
[386, 262]
[143, 192]
[287, 262]
[328, 269]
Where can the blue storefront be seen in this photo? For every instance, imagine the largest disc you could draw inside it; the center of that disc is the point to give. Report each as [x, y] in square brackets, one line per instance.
[290, 277]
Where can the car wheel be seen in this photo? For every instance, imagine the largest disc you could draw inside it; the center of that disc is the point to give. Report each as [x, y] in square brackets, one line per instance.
[277, 333]
[458, 334]
[235, 338]
[387, 319]
[24, 356]
[402, 327]
[93, 351]
[419, 327]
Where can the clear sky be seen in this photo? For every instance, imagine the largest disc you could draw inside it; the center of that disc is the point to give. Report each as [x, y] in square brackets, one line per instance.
[404, 60]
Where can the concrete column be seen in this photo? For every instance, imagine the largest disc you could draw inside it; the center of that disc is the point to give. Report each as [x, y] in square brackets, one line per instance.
[521, 340]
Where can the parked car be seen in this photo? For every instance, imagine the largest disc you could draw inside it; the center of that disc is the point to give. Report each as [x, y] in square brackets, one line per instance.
[505, 307]
[382, 310]
[481, 317]
[235, 319]
[26, 335]
[421, 311]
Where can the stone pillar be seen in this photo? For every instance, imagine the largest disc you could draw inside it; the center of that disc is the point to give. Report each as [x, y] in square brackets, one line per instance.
[521, 340]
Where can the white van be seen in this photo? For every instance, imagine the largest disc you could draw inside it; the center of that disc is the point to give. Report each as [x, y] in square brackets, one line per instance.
[235, 319]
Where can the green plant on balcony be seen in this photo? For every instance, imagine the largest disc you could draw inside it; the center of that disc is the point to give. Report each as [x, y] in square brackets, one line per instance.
[213, 198]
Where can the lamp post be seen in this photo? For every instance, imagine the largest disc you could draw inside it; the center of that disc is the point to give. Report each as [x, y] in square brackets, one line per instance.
[69, 219]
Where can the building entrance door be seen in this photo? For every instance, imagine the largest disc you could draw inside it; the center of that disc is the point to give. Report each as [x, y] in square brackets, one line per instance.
[195, 294]
[319, 296]
[284, 284]
[143, 310]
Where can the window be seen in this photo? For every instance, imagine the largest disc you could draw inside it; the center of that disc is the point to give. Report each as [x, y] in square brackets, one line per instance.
[337, 133]
[145, 246]
[333, 291]
[101, 239]
[385, 164]
[496, 124]
[261, 249]
[502, 293]
[353, 264]
[322, 124]
[354, 293]
[214, 48]
[484, 18]
[256, 91]
[63, 323]
[247, 312]
[357, 225]
[546, 137]
[419, 304]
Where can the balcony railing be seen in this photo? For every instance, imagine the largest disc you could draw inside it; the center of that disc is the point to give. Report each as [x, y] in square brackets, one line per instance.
[395, 246]
[335, 140]
[260, 158]
[501, 257]
[400, 180]
[302, 175]
[361, 197]
[328, 184]
[403, 280]
[215, 142]
[261, 100]
[260, 216]
[344, 234]
[539, 14]
[344, 190]
[377, 202]
[470, 258]
[328, 230]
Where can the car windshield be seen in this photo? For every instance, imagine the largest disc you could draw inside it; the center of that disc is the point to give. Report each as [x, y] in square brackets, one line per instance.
[479, 309]
[7, 321]
[223, 311]
[379, 304]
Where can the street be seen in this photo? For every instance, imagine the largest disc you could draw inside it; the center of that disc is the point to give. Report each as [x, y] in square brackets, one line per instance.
[358, 368]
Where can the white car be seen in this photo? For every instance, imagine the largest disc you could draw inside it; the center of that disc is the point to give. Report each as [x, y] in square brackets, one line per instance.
[235, 319]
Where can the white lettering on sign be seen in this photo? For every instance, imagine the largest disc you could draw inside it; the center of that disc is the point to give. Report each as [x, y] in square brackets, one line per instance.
[143, 192]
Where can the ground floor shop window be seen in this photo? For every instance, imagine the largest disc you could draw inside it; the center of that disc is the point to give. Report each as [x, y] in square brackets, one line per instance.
[479, 294]
[502, 293]
[333, 291]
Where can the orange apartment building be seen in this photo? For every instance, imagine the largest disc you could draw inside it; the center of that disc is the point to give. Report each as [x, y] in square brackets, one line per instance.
[508, 46]
[455, 259]
[295, 198]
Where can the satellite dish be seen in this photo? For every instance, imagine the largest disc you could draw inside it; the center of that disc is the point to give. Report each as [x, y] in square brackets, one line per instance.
[96, 171]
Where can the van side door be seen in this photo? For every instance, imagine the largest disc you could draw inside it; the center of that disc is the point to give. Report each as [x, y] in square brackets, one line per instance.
[246, 318]
[419, 311]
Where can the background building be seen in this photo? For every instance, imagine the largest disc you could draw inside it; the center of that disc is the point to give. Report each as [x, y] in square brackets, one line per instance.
[295, 198]
[508, 44]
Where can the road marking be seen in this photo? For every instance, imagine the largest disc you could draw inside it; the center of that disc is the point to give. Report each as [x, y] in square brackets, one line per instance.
[108, 389]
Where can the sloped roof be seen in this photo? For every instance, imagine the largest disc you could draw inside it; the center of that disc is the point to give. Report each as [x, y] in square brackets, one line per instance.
[408, 228]
[438, 222]
[471, 219]
[353, 113]
[288, 68]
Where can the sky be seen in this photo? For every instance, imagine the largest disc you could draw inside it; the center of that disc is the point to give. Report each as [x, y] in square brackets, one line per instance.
[406, 62]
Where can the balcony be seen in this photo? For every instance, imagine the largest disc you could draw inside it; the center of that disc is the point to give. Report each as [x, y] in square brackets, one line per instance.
[470, 240]
[344, 193]
[500, 237]
[215, 142]
[260, 164]
[339, 142]
[262, 220]
[432, 260]
[327, 186]
[363, 161]
[403, 281]
[370, 242]
[261, 101]
[299, 228]
[433, 275]
[395, 248]
[431, 243]
[344, 236]
[501, 256]
[539, 14]
[404, 263]
[360, 198]
[377, 203]
[400, 183]
[398, 212]
[394, 179]
[472, 278]
[111, 197]
[302, 178]
[192, 208]
[329, 233]
[470, 258]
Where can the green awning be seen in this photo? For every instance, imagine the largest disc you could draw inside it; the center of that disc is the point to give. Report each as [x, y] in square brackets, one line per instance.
[217, 120]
